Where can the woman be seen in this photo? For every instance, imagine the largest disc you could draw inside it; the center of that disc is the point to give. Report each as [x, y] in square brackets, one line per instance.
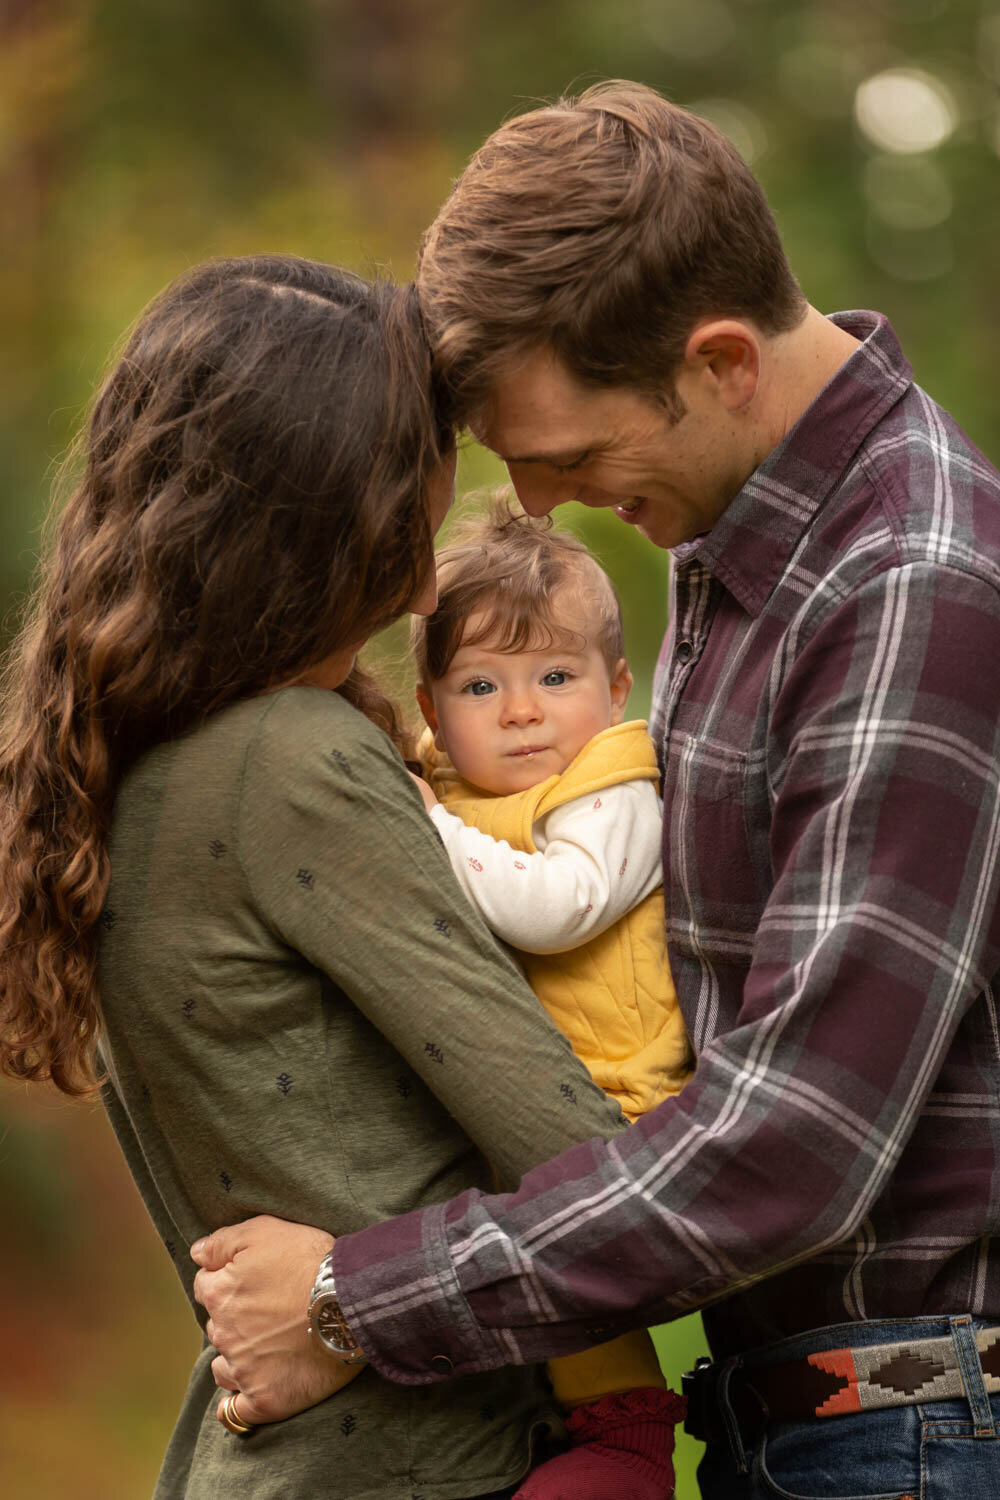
[220, 869]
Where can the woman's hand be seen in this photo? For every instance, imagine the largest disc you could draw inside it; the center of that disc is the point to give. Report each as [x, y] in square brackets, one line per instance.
[429, 798]
[255, 1282]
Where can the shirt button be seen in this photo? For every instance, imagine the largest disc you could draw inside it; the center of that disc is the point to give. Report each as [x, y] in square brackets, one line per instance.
[442, 1364]
[685, 651]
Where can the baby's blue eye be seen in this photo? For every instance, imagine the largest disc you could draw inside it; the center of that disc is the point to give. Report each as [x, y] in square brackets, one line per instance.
[479, 688]
[554, 679]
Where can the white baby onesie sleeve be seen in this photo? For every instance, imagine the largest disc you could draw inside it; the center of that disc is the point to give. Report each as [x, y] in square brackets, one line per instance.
[598, 856]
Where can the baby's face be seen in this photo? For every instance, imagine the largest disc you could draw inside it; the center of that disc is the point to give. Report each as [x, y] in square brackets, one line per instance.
[509, 720]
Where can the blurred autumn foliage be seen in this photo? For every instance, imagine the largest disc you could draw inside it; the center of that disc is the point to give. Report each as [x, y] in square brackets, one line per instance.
[138, 136]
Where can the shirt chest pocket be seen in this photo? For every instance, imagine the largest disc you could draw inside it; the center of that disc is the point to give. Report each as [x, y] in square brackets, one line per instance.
[716, 864]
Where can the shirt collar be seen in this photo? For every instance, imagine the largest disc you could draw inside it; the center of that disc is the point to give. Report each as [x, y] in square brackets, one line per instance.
[749, 547]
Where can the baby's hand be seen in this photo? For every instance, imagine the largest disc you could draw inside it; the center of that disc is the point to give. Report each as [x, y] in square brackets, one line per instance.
[429, 798]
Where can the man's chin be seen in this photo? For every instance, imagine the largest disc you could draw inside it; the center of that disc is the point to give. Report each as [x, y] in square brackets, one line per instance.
[656, 534]
[641, 514]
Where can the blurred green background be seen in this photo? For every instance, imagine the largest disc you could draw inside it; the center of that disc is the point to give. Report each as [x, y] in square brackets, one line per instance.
[138, 137]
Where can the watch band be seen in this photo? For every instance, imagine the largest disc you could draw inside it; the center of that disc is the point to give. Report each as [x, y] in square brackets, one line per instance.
[327, 1321]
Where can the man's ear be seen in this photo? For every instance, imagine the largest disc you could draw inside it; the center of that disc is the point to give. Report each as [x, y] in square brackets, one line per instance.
[726, 353]
[621, 686]
[426, 705]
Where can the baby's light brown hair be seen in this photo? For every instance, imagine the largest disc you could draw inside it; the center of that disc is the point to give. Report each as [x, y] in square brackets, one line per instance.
[509, 568]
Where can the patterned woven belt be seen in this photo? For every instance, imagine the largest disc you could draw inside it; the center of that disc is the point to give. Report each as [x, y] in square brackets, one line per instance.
[837, 1382]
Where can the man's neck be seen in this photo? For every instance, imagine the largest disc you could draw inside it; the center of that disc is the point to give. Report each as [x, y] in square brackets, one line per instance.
[798, 365]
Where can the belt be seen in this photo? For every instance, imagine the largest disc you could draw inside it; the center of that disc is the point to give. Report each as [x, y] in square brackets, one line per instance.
[833, 1383]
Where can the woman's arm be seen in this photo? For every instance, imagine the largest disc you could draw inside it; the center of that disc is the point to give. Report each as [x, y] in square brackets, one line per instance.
[343, 861]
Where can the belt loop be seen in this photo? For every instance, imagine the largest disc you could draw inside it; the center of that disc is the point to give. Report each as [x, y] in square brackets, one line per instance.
[964, 1338]
[729, 1420]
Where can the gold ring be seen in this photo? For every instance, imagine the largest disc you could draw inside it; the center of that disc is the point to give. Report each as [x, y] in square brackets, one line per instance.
[231, 1419]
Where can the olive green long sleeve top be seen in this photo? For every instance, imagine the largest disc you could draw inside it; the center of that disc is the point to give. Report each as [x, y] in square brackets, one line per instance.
[303, 1017]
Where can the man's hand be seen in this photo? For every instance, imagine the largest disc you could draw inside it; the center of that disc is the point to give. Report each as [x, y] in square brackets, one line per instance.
[255, 1282]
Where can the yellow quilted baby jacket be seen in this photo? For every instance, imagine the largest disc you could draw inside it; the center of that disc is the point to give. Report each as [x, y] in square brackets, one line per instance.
[613, 997]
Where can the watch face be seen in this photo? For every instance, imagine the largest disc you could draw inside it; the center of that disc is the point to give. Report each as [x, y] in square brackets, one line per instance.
[332, 1330]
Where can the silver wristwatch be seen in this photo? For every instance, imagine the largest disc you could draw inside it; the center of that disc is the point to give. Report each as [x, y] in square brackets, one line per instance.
[327, 1321]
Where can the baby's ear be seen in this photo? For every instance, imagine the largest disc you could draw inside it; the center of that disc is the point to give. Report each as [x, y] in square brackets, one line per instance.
[426, 704]
[621, 686]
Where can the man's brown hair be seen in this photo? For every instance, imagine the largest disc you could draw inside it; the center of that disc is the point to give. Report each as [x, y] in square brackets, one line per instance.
[507, 569]
[605, 227]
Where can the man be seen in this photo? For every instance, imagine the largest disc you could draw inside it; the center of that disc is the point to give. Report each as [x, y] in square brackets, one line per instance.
[612, 313]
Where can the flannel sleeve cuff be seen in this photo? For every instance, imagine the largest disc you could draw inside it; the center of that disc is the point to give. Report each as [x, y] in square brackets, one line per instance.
[402, 1300]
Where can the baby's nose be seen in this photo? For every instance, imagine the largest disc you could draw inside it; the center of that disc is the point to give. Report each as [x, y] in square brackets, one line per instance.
[522, 708]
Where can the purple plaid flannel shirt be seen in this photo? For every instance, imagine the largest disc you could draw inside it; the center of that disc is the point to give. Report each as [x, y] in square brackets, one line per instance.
[828, 712]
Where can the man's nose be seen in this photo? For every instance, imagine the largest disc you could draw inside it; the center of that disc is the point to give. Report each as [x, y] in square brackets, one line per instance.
[539, 491]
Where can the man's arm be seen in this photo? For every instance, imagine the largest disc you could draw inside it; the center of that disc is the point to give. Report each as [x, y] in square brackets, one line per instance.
[880, 931]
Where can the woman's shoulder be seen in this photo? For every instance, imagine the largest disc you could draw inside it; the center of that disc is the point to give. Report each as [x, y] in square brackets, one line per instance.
[297, 724]
[293, 720]
[306, 752]
[272, 743]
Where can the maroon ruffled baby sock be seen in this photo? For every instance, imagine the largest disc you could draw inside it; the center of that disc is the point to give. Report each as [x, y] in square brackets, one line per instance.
[621, 1449]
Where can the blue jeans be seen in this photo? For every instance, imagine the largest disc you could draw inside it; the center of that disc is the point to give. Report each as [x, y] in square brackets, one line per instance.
[945, 1450]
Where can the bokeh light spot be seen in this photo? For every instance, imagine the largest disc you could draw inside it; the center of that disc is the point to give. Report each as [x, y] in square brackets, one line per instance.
[908, 192]
[905, 109]
[910, 254]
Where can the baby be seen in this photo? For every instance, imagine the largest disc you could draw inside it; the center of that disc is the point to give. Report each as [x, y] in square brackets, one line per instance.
[546, 800]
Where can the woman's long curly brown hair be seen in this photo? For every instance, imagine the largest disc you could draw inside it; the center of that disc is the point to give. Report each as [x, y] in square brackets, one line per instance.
[253, 499]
